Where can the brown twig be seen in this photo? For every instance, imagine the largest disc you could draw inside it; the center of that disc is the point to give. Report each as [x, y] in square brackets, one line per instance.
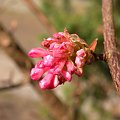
[111, 51]
[41, 17]
[99, 57]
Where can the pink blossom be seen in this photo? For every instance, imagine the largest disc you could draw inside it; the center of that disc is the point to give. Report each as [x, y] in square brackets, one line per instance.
[48, 60]
[70, 66]
[37, 52]
[79, 71]
[58, 67]
[49, 81]
[36, 73]
[67, 75]
[40, 64]
[81, 53]
[79, 60]
[59, 35]
[61, 58]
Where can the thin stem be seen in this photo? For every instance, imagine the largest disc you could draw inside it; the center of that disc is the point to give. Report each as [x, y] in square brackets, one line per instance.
[99, 57]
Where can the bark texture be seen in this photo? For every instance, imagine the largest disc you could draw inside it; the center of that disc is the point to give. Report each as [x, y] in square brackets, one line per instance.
[111, 52]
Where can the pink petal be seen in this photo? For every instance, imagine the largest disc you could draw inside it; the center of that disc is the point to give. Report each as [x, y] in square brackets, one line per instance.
[59, 35]
[48, 60]
[54, 45]
[56, 81]
[37, 52]
[79, 72]
[67, 75]
[70, 66]
[47, 42]
[79, 61]
[40, 64]
[58, 68]
[50, 81]
[49, 39]
[36, 73]
[81, 53]
[59, 53]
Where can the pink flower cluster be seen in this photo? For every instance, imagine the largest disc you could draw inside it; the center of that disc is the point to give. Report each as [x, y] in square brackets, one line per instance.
[59, 61]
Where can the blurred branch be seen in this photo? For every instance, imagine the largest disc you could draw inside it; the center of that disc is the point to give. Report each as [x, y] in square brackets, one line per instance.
[40, 15]
[11, 87]
[111, 52]
[76, 99]
[57, 109]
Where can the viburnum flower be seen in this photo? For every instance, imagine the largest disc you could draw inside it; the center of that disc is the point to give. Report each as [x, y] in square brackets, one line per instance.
[63, 54]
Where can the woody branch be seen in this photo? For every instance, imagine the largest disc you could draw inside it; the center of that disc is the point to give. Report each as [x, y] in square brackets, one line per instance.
[111, 52]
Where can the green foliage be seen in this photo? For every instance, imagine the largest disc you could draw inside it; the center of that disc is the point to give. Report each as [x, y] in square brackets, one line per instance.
[85, 25]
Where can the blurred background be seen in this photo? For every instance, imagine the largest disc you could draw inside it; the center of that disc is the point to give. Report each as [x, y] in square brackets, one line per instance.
[23, 25]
